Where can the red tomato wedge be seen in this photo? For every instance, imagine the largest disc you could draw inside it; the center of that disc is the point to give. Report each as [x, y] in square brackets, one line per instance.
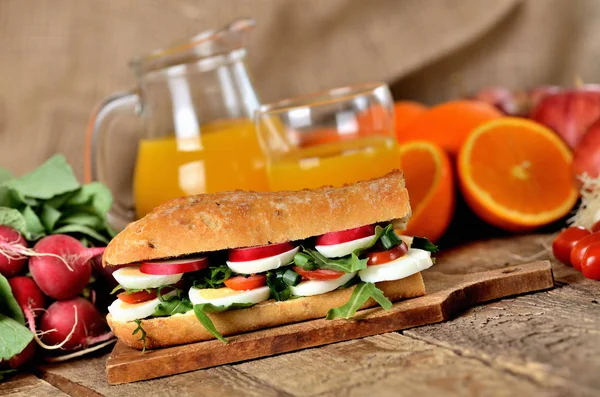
[565, 241]
[241, 283]
[579, 249]
[264, 251]
[343, 236]
[381, 257]
[174, 266]
[137, 297]
[319, 274]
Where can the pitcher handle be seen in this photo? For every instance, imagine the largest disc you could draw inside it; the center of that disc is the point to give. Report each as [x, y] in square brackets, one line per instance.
[126, 103]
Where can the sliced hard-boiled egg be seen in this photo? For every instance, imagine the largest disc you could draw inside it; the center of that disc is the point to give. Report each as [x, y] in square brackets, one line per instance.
[122, 311]
[413, 262]
[225, 296]
[316, 287]
[131, 278]
[343, 249]
[263, 264]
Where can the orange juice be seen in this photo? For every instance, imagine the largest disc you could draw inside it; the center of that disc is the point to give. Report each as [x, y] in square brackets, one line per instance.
[226, 156]
[334, 163]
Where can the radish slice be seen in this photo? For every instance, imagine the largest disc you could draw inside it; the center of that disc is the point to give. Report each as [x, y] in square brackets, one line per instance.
[343, 236]
[343, 249]
[263, 264]
[175, 266]
[264, 251]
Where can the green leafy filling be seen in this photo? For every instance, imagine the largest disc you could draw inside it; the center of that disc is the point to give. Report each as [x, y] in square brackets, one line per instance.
[279, 282]
[361, 294]
[200, 311]
[142, 333]
[212, 277]
[423, 244]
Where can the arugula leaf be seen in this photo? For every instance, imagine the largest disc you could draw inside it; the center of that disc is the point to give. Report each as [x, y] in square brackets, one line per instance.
[49, 216]
[142, 333]
[13, 218]
[423, 244]
[200, 311]
[14, 337]
[361, 294]
[34, 225]
[280, 290]
[173, 306]
[212, 277]
[347, 264]
[52, 178]
[8, 303]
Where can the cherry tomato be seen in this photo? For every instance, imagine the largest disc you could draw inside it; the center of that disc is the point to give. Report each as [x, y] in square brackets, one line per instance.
[590, 265]
[319, 274]
[137, 297]
[564, 242]
[241, 283]
[344, 236]
[381, 257]
[596, 227]
[580, 247]
[174, 266]
[253, 253]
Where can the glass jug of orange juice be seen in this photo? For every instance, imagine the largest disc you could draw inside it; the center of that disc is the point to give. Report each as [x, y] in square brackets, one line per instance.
[185, 129]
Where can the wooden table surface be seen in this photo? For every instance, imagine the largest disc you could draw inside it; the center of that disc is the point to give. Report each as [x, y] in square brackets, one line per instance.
[541, 344]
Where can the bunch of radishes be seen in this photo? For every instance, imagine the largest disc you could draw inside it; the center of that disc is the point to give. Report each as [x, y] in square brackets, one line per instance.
[60, 268]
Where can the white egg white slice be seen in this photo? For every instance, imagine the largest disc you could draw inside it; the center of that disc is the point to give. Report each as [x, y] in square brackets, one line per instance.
[122, 311]
[225, 296]
[131, 278]
[316, 287]
[413, 262]
[263, 264]
[343, 249]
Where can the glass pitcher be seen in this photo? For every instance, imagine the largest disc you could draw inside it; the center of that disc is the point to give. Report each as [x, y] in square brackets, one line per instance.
[185, 129]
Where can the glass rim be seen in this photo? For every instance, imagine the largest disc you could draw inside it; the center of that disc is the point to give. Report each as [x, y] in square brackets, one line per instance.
[320, 98]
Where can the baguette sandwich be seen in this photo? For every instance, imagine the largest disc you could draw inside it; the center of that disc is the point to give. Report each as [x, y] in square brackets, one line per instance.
[208, 266]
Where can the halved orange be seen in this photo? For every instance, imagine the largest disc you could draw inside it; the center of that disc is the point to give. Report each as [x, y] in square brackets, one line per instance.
[405, 113]
[430, 185]
[516, 174]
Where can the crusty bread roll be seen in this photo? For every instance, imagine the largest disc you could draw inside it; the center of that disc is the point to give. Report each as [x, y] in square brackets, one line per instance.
[185, 328]
[213, 222]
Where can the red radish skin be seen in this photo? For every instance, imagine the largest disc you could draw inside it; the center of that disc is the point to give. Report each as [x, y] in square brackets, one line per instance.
[28, 294]
[586, 157]
[344, 236]
[73, 324]
[570, 113]
[62, 267]
[12, 261]
[264, 251]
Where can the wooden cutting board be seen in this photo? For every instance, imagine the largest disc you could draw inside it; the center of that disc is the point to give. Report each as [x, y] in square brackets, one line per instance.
[446, 296]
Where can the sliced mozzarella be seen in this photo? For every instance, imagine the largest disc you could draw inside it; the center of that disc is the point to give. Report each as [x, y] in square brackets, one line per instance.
[316, 287]
[131, 278]
[343, 249]
[122, 311]
[413, 262]
[263, 264]
[225, 296]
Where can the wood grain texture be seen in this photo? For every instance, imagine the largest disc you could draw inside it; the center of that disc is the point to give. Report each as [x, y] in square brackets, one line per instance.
[22, 385]
[447, 295]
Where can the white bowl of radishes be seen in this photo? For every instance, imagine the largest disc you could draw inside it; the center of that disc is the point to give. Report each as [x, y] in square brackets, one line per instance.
[47, 282]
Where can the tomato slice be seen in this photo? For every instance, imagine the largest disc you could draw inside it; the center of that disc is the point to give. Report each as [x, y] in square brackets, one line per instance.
[175, 266]
[581, 247]
[381, 257]
[565, 241]
[319, 274]
[137, 297]
[241, 283]
[264, 251]
[590, 265]
[344, 236]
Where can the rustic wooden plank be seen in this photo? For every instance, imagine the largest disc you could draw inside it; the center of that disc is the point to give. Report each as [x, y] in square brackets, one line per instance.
[447, 294]
[552, 338]
[24, 384]
[387, 365]
[88, 375]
